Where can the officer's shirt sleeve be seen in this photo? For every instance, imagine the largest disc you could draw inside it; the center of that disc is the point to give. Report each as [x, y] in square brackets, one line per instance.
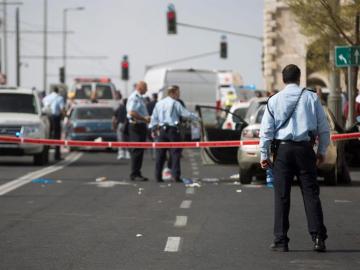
[133, 105]
[154, 117]
[323, 129]
[184, 112]
[266, 134]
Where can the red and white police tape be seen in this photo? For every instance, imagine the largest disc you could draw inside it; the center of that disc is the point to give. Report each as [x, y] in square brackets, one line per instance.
[8, 139]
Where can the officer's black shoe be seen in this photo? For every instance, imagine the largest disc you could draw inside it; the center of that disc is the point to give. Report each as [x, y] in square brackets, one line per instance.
[177, 180]
[160, 180]
[139, 178]
[319, 244]
[279, 247]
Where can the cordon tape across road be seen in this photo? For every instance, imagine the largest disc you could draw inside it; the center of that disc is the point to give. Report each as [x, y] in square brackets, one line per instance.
[20, 140]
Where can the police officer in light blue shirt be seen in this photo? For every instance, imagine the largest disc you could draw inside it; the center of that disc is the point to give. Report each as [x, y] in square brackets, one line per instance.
[164, 122]
[55, 106]
[294, 117]
[138, 117]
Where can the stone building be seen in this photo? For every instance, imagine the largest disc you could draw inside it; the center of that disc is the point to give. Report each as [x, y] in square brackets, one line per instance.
[284, 44]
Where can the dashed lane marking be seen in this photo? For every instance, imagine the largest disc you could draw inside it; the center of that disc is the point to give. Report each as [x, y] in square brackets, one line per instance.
[27, 178]
[180, 221]
[185, 204]
[173, 244]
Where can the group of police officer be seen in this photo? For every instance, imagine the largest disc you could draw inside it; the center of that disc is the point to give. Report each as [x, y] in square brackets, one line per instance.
[164, 126]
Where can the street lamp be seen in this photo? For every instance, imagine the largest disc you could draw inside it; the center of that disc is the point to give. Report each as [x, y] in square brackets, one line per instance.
[65, 11]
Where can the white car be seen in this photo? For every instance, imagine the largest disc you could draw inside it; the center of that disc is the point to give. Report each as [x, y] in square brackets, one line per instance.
[21, 116]
[238, 109]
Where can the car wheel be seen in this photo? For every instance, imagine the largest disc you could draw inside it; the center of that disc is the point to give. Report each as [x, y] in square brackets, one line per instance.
[43, 157]
[245, 176]
[331, 177]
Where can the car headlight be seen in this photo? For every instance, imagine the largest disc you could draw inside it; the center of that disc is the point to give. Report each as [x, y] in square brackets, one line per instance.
[30, 130]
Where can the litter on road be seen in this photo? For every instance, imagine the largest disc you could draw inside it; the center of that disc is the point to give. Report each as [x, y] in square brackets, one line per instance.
[43, 181]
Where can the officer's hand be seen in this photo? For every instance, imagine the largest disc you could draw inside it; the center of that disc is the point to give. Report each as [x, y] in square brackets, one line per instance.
[320, 159]
[265, 164]
[147, 119]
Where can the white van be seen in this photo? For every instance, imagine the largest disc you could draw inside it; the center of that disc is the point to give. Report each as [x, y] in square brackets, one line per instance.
[197, 86]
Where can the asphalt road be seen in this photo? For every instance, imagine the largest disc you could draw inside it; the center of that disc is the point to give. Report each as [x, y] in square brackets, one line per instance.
[76, 222]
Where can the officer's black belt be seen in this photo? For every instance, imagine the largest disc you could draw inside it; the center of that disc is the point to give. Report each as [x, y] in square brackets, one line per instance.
[294, 142]
[168, 127]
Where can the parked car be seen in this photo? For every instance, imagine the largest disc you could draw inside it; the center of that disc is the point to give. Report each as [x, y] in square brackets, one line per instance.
[239, 109]
[88, 122]
[333, 170]
[352, 147]
[212, 129]
[21, 116]
[103, 90]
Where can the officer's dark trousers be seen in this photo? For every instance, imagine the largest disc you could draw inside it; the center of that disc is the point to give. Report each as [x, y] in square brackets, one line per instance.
[137, 133]
[297, 159]
[169, 134]
[55, 132]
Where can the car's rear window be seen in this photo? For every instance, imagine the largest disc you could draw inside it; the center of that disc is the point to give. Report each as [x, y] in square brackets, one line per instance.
[103, 91]
[18, 103]
[93, 113]
[83, 91]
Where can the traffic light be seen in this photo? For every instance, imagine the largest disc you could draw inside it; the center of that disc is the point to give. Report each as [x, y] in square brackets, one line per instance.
[62, 74]
[171, 20]
[223, 47]
[125, 68]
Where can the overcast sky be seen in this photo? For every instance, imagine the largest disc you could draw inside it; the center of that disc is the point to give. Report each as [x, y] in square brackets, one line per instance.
[113, 28]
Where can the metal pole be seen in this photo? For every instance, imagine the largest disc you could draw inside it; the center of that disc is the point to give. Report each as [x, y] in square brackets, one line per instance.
[1, 58]
[334, 99]
[64, 42]
[126, 88]
[18, 63]
[5, 39]
[351, 102]
[45, 47]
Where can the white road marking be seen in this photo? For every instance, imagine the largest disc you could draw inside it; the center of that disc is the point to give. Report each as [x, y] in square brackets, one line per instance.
[190, 190]
[186, 204]
[342, 201]
[196, 173]
[27, 178]
[173, 244]
[180, 221]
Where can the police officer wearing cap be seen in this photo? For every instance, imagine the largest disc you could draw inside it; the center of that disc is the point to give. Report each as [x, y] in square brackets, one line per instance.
[293, 118]
[138, 119]
[164, 125]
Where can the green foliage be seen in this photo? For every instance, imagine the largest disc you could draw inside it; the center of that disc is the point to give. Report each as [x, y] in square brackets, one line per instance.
[325, 23]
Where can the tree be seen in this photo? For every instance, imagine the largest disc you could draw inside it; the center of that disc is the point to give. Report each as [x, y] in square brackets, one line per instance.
[327, 23]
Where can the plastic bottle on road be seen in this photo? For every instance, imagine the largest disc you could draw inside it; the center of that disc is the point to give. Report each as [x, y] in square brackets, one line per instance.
[269, 178]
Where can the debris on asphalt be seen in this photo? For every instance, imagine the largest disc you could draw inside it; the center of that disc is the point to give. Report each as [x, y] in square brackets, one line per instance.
[238, 190]
[140, 191]
[235, 176]
[187, 181]
[193, 185]
[139, 235]
[58, 181]
[43, 181]
[101, 179]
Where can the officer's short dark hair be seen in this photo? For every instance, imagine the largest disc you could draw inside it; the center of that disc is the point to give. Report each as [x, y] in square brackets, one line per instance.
[56, 89]
[172, 89]
[291, 74]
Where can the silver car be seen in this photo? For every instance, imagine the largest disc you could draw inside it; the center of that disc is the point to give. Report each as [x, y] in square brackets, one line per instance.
[333, 170]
